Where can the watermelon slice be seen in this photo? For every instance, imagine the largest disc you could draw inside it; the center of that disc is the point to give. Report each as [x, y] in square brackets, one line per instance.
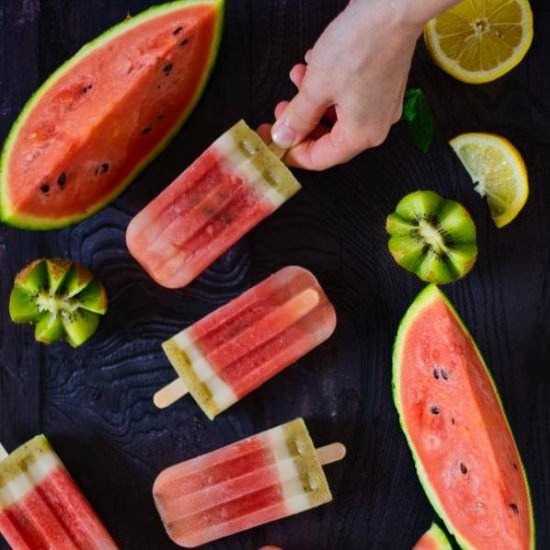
[104, 114]
[449, 408]
[433, 539]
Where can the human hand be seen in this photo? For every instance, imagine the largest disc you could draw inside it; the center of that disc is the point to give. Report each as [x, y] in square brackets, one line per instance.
[351, 88]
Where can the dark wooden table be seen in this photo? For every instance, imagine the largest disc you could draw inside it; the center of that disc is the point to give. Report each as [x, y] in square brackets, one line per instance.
[95, 403]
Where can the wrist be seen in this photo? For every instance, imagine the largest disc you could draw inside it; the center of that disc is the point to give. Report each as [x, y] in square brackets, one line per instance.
[400, 18]
[419, 12]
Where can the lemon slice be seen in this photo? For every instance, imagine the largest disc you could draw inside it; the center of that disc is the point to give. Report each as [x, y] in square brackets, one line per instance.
[478, 41]
[498, 172]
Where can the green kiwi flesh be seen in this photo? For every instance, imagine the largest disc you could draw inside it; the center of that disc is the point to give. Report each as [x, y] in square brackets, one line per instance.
[432, 237]
[62, 299]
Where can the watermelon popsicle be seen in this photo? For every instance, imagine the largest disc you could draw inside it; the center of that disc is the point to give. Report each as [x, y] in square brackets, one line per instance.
[41, 507]
[236, 183]
[238, 347]
[263, 478]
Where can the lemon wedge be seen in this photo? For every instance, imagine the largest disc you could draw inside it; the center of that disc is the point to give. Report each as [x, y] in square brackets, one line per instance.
[498, 172]
[478, 41]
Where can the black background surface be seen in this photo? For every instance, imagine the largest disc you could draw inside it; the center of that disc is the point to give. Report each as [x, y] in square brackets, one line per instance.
[95, 403]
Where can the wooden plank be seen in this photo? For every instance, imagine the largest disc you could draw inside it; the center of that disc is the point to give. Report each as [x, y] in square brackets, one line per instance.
[95, 403]
[20, 359]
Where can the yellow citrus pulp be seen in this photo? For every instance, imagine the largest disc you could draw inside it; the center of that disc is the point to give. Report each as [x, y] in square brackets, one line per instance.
[478, 41]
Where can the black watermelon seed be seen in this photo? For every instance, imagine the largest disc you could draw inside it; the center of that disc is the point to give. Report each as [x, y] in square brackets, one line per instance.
[102, 168]
[62, 180]
[146, 130]
[167, 68]
[160, 116]
[45, 188]
[184, 42]
[444, 374]
[434, 410]
[515, 508]
[87, 88]
[515, 466]
[177, 31]
[463, 468]
[453, 421]
[436, 374]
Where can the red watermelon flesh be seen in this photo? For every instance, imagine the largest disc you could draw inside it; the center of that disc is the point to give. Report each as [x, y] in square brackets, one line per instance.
[97, 121]
[463, 447]
[427, 543]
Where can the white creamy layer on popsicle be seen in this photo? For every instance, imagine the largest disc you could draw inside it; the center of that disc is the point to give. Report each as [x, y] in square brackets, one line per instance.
[15, 484]
[238, 151]
[221, 394]
[41, 506]
[241, 345]
[260, 479]
[236, 183]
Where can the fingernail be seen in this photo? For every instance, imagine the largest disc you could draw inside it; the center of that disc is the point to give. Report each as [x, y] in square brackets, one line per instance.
[283, 136]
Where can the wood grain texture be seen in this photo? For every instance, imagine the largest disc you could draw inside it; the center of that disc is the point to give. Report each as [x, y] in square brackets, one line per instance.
[95, 403]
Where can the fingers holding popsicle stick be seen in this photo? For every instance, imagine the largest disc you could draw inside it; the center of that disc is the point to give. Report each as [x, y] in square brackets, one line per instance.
[3, 452]
[279, 152]
[297, 74]
[331, 453]
[322, 129]
[280, 109]
[265, 134]
[170, 393]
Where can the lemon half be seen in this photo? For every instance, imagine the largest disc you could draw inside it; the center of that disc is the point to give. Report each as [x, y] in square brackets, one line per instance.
[498, 172]
[478, 41]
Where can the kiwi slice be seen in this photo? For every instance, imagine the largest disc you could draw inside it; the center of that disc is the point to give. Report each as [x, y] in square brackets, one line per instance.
[62, 299]
[432, 237]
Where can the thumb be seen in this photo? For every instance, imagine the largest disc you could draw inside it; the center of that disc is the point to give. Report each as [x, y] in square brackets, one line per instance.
[301, 116]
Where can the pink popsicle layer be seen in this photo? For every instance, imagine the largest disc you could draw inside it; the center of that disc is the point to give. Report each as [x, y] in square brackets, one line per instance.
[41, 507]
[229, 189]
[241, 345]
[260, 479]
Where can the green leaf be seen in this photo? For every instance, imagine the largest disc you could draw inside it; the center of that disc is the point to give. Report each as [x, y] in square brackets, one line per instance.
[418, 115]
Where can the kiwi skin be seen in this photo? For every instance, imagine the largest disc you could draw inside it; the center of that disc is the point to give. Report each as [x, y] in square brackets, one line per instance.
[61, 298]
[432, 237]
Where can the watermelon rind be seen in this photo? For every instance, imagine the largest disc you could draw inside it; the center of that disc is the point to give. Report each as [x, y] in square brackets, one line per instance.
[425, 298]
[436, 534]
[36, 223]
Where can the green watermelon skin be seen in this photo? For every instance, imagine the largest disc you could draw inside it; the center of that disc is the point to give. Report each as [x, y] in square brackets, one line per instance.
[11, 216]
[433, 539]
[428, 297]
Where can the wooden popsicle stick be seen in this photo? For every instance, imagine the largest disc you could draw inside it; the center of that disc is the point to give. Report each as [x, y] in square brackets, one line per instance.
[331, 453]
[170, 393]
[3, 452]
[279, 152]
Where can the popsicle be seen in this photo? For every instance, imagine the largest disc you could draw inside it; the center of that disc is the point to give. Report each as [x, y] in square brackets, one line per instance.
[235, 349]
[236, 183]
[263, 478]
[41, 507]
